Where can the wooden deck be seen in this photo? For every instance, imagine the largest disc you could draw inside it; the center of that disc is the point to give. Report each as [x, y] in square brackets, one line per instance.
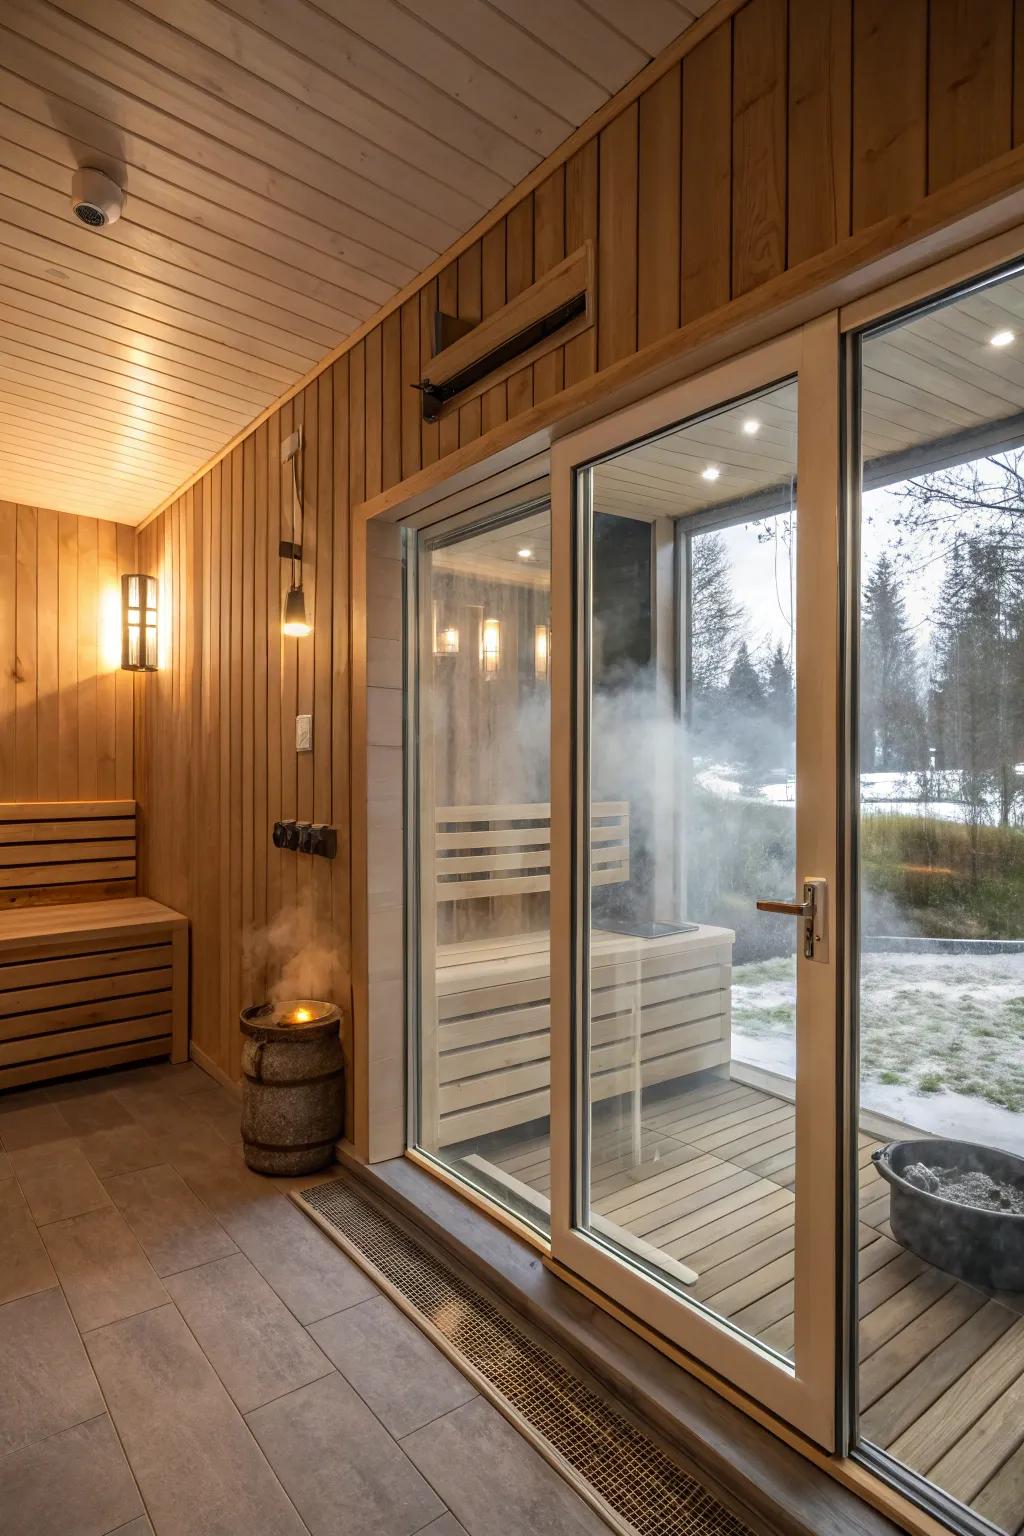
[941, 1363]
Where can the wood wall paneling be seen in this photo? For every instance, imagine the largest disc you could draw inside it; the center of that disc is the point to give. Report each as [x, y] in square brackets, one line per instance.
[618, 150]
[707, 176]
[659, 207]
[820, 40]
[890, 113]
[970, 90]
[66, 709]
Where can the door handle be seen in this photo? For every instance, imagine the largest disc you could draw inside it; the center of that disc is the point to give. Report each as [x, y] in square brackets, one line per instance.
[812, 913]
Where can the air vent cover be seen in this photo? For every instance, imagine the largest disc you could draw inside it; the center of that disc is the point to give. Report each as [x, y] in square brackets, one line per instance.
[627, 1477]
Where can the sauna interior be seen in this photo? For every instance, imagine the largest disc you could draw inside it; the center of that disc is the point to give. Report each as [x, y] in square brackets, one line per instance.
[511, 767]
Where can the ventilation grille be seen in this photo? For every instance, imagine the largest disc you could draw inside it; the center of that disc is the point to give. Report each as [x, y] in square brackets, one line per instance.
[630, 1474]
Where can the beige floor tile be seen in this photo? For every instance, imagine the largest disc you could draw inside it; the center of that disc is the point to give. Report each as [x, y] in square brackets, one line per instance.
[393, 1366]
[346, 1475]
[24, 1266]
[174, 1227]
[200, 1471]
[6, 1167]
[311, 1276]
[446, 1526]
[76, 1483]
[253, 1342]
[118, 1149]
[46, 1383]
[493, 1481]
[142, 1527]
[104, 1272]
[31, 1120]
[58, 1181]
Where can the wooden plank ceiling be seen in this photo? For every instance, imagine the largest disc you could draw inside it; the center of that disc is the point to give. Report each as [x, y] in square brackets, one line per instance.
[288, 167]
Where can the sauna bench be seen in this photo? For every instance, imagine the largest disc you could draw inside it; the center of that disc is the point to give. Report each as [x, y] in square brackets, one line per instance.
[660, 1010]
[91, 984]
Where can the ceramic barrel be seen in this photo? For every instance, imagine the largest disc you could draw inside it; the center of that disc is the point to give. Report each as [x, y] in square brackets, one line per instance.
[293, 1086]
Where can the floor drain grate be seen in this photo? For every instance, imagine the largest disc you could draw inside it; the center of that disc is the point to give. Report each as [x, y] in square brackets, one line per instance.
[631, 1475]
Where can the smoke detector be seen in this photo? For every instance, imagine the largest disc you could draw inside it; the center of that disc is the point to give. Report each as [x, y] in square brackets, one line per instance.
[95, 199]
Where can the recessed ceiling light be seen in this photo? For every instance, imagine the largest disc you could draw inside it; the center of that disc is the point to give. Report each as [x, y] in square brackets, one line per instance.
[751, 426]
[711, 473]
[526, 554]
[1001, 338]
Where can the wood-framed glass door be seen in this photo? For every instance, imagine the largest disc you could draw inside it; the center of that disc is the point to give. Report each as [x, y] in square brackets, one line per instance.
[695, 1035]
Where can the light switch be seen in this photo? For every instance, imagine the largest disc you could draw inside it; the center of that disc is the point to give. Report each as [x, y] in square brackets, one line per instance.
[303, 733]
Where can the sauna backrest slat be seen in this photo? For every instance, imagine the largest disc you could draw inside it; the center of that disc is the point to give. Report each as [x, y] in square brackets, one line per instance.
[58, 851]
[505, 850]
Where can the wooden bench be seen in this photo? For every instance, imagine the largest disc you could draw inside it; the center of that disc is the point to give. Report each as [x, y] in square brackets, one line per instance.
[660, 1007]
[84, 983]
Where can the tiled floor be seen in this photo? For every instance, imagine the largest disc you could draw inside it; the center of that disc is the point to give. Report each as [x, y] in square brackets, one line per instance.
[183, 1353]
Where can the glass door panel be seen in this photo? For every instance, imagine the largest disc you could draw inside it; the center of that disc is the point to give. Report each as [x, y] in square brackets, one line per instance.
[481, 1090]
[940, 958]
[700, 1166]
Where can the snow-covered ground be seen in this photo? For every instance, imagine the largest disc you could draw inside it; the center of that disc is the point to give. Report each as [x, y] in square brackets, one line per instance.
[912, 794]
[942, 1038]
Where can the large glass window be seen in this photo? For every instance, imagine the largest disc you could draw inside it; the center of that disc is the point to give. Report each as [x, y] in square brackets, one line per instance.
[484, 826]
[941, 896]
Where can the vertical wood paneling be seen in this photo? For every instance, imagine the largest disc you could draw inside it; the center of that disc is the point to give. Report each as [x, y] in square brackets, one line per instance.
[580, 226]
[48, 624]
[372, 409]
[106, 707]
[707, 175]
[519, 276]
[758, 144]
[124, 682]
[890, 54]
[548, 250]
[819, 125]
[659, 194]
[617, 238]
[430, 444]
[412, 412]
[391, 409]
[447, 304]
[470, 302]
[66, 709]
[67, 655]
[26, 752]
[970, 89]
[493, 401]
[9, 650]
[88, 739]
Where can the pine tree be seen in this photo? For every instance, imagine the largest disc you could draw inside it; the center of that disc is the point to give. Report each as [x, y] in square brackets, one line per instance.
[778, 687]
[891, 711]
[744, 686]
[976, 708]
[715, 616]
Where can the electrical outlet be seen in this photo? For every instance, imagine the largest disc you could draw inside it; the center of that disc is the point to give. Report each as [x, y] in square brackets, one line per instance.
[303, 733]
[291, 445]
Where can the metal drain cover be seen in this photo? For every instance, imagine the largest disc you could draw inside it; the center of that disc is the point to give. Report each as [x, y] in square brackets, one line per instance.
[626, 1476]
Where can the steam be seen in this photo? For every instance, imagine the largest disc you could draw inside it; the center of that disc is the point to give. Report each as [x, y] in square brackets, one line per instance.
[298, 956]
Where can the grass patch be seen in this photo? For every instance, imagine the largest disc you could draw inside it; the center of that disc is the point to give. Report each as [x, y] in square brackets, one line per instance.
[931, 1023]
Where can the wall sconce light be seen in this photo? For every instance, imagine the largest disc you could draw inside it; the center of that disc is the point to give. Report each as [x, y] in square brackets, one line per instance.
[490, 646]
[138, 623]
[295, 622]
[446, 641]
[541, 651]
